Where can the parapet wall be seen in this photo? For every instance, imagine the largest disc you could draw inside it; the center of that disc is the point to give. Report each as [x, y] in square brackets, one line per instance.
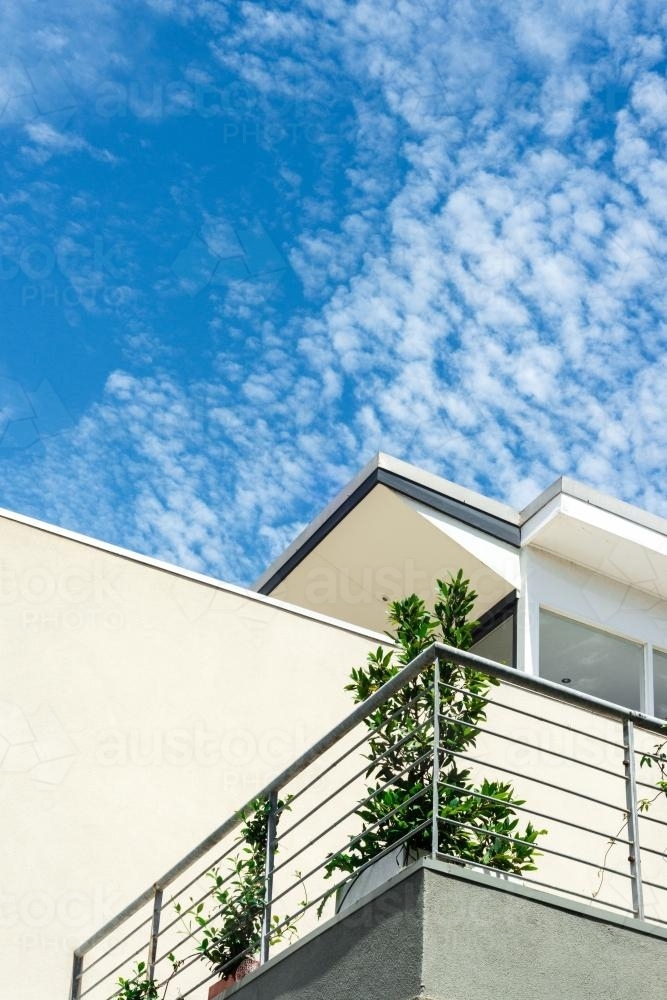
[439, 933]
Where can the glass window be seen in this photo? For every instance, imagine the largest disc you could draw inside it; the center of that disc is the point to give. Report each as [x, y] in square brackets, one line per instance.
[498, 644]
[591, 660]
[660, 683]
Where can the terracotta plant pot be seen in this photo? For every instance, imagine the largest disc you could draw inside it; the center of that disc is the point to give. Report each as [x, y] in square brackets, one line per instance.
[245, 967]
[217, 988]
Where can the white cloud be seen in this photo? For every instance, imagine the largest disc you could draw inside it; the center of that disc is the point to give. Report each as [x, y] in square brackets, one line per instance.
[188, 494]
[483, 276]
[47, 141]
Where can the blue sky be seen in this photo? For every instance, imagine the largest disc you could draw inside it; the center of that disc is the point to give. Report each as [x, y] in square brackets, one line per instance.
[244, 246]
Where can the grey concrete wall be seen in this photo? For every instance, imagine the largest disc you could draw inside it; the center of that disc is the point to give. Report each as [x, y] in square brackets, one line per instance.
[373, 952]
[439, 933]
[482, 943]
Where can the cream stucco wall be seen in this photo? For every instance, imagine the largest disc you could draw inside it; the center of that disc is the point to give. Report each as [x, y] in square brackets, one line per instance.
[140, 707]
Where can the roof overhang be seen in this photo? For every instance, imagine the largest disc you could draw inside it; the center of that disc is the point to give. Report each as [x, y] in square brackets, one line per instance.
[604, 535]
[396, 528]
[392, 532]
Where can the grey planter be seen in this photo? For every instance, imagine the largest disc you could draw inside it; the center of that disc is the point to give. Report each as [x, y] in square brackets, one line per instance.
[375, 875]
[391, 864]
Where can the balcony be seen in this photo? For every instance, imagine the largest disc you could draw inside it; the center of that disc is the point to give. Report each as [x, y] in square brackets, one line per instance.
[369, 884]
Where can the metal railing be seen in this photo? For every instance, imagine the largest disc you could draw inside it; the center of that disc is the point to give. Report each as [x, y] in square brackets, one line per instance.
[572, 761]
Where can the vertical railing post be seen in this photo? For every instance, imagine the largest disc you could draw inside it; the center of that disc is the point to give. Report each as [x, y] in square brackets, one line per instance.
[265, 943]
[633, 818]
[77, 974]
[155, 932]
[435, 830]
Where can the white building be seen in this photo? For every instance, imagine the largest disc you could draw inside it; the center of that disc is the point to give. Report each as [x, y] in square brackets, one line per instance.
[576, 578]
[142, 704]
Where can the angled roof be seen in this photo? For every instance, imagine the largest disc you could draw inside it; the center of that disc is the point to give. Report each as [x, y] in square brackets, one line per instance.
[568, 519]
[490, 516]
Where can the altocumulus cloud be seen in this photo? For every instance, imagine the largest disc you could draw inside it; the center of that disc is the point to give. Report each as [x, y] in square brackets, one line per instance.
[482, 279]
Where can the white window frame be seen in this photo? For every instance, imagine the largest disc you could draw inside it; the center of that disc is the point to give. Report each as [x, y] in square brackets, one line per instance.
[646, 688]
[664, 653]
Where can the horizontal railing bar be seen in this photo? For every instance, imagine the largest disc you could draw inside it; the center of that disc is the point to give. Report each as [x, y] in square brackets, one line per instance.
[533, 715]
[440, 856]
[527, 843]
[364, 739]
[550, 689]
[443, 856]
[358, 837]
[203, 871]
[359, 774]
[657, 757]
[531, 746]
[116, 968]
[408, 673]
[580, 895]
[193, 989]
[526, 877]
[193, 959]
[191, 933]
[353, 810]
[188, 962]
[652, 819]
[117, 944]
[646, 784]
[528, 777]
[657, 852]
[654, 885]
[353, 875]
[533, 812]
[365, 708]
[196, 902]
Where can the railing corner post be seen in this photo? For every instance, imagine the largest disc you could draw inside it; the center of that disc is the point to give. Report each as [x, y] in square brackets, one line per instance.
[435, 829]
[77, 973]
[155, 932]
[271, 831]
[633, 818]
